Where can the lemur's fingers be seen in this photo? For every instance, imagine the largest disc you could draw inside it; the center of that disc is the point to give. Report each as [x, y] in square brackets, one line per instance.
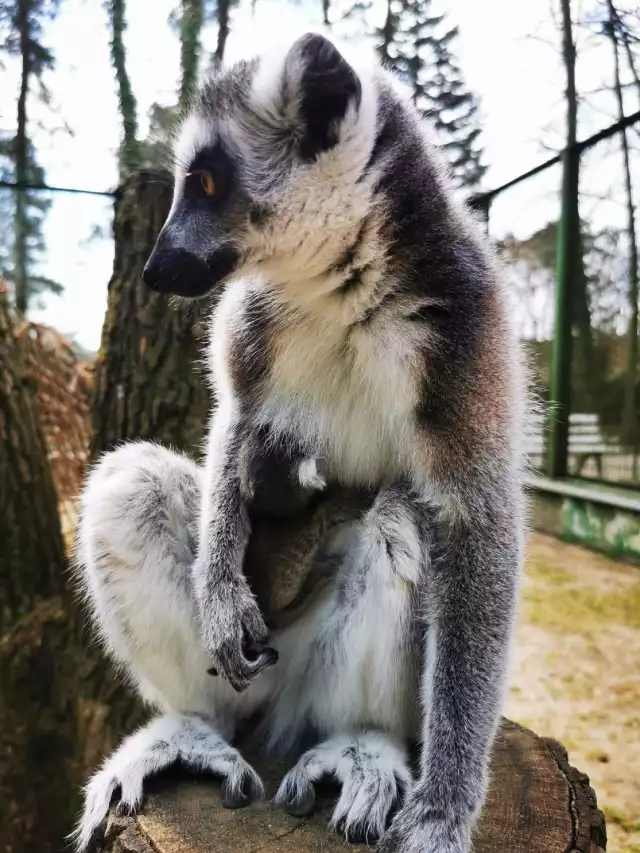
[242, 788]
[239, 670]
[256, 661]
[265, 658]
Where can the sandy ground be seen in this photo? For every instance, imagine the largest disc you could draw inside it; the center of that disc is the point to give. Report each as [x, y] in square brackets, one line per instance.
[576, 672]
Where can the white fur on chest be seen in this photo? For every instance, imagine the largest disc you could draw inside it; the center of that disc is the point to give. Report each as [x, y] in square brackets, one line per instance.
[351, 395]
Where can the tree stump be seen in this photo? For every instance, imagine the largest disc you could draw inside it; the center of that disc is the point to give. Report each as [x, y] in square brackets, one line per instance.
[537, 803]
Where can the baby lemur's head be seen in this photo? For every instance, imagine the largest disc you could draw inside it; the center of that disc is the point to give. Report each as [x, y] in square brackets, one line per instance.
[275, 172]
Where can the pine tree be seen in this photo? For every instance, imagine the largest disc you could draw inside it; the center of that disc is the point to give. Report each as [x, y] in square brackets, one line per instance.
[129, 153]
[421, 48]
[191, 20]
[21, 26]
[223, 9]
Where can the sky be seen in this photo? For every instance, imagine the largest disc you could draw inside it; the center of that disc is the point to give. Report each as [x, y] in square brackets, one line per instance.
[508, 52]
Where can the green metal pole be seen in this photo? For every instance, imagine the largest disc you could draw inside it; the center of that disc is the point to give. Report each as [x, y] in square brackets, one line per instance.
[566, 277]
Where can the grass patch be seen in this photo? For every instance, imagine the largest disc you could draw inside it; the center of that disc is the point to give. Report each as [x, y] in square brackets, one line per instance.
[536, 570]
[576, 609]
[621, 819]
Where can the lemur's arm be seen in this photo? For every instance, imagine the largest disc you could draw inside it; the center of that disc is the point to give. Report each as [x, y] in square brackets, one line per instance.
[472, 587]
[230, 617]
[246, 468]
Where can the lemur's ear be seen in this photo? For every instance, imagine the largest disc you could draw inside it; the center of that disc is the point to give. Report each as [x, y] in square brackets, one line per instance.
[325, 85]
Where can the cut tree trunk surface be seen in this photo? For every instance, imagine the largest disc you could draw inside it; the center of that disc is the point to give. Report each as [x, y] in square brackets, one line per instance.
[537, 803]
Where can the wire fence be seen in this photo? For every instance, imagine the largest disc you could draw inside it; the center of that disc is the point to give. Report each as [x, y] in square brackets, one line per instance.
[573, 280]
[578, 320]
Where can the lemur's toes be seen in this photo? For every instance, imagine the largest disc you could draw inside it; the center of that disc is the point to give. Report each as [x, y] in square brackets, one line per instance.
[126, 809]
[301, 801]
[235, 796]
[240, 791]
[355, 833]
[296, 794]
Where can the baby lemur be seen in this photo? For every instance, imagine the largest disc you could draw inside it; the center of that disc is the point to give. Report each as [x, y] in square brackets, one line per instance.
[364, 327]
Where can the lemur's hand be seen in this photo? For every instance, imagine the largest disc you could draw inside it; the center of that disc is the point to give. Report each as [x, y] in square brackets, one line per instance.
[235, 632]
[419, 829]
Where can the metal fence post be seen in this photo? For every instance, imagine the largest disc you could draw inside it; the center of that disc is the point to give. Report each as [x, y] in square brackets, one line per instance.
[566, 276]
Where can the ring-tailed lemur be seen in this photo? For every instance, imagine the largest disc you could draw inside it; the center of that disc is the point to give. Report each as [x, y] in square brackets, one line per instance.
[363, 322]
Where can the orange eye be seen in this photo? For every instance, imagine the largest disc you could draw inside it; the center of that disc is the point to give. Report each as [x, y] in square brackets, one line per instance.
[207, 182]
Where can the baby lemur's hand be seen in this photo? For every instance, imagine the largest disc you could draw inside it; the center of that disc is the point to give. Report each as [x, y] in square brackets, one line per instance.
[275, 480]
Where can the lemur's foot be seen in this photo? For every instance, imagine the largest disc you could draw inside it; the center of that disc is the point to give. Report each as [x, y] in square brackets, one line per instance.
[374, 775]
[165, 740]
[417, 828]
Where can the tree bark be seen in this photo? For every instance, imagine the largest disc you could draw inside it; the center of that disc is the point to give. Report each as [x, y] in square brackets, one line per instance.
[31, 550]
[20, 250]
[148, 380]
[129, 155]
[57, 708]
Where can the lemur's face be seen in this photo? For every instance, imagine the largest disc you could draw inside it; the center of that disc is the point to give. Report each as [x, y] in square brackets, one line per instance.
[269, 175]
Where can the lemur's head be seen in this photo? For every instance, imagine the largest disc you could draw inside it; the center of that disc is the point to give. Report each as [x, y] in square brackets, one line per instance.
[271, 175]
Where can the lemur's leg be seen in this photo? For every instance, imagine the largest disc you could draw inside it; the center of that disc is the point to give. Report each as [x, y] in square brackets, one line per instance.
[136, 544]
[372, 770]
[352, 671]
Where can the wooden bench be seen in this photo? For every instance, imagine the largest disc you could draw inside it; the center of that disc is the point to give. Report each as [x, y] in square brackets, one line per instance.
[586, 440]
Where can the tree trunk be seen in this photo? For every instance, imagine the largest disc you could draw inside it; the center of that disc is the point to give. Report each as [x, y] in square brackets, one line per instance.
[536, 803]
[568, 263]
[629, 411]
[35, 739]
[57, 708]
[583, 366]
[129, 156]
[148, 381]
[190, 28]
[223, 12]
[388, 33]
[31, 551]
[21, 153]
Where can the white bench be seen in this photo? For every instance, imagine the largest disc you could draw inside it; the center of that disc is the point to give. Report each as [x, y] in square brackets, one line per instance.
[586, 440]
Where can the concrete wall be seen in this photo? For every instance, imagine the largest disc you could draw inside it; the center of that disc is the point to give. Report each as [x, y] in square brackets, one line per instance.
[600, 518]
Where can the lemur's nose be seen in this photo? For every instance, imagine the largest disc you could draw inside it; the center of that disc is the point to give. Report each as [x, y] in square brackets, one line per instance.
[151, 272]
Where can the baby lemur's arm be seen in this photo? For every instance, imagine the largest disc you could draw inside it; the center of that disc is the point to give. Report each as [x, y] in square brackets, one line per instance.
[277, 479]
